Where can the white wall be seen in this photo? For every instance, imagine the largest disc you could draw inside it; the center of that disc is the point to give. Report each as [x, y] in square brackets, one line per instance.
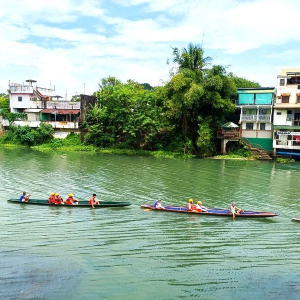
[280, 119]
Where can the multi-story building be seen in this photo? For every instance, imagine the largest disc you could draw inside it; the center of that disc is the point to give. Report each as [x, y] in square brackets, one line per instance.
[38, 105]
[256, 116]
[286, 124]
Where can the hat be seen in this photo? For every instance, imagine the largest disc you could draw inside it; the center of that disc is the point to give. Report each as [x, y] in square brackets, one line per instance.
[199, 202]
[70, 195]
[191, 200]
[52, 194]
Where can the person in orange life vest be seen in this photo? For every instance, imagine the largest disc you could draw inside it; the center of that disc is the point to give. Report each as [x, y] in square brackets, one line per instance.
[200, 208]
[57, 199]
[190, 206]
[51, 198]
[71, 201]
[93, 201]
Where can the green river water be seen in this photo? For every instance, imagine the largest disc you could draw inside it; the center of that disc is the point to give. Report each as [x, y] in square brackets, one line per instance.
[129, 253]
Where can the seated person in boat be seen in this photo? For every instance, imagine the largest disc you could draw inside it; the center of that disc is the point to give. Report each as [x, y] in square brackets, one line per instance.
[190, 206]
[93, 201]
[71, 201]
[51, 198]
[200, 208]
[57, 199]
[158, 205]
[24, 197]
[235, 210]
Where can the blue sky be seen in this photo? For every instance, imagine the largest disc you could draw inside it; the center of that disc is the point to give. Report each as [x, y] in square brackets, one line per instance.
[74, 43]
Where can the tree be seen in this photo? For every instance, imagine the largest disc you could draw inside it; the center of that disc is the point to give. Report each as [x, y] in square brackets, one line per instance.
[241, 82]
[126, 115]
[199, 99]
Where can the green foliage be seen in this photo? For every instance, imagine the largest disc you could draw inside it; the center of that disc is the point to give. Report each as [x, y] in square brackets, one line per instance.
[4, 104]
[126, 116]
[28, 136]
[284, 160]
[241, 82]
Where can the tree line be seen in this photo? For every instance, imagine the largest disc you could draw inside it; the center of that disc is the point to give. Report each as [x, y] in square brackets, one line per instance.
[183, 115]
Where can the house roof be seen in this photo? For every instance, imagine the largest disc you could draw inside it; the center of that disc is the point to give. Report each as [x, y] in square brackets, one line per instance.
[48, 111]
[61, 111]
[67, 111]
[229, 125]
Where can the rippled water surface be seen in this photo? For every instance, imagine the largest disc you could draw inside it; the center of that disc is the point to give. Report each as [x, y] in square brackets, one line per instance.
[129, 253]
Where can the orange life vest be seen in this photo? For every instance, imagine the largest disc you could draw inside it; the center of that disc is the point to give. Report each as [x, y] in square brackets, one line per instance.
[50, 199]
[69, 200]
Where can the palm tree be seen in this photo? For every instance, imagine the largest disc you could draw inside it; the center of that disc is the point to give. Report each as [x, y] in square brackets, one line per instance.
[191, 58]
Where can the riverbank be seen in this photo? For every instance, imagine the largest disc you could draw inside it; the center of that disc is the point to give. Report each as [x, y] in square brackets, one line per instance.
[89, 148]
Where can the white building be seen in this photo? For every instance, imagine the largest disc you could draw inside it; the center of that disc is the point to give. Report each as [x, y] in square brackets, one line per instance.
[38, 105]
[286, 124]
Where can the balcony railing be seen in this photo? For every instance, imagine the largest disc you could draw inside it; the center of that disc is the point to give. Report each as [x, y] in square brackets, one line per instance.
[260, 118]
[21, 89]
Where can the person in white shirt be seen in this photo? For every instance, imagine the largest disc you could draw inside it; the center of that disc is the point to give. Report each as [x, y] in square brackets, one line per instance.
[235, 210]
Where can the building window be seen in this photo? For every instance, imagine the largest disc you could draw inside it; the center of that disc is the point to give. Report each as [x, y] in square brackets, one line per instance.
[282, 81]
[249, 126]
[262, 126]
[278, 113]
[262, 111]
[285, 99]
[298, 99]
[19, 98]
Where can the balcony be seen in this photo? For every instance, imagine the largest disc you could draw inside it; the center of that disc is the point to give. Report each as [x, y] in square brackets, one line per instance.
[21, 89]
[256, 118]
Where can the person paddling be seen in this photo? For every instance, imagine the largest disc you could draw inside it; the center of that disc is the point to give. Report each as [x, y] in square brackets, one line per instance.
[190, 206]
[200, 208]
[57, 199]
[51, 198]
[71, 201]
[235, 210]
[93, 201]
[157, 204]
[24, 197]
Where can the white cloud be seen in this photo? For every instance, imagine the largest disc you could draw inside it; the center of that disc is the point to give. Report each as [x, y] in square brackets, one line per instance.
[61, 48]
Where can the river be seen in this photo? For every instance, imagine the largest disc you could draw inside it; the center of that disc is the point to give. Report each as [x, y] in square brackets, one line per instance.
[129, 253]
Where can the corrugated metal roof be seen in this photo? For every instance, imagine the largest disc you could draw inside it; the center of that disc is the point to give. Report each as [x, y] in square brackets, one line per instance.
[48, 111]
[67, 111]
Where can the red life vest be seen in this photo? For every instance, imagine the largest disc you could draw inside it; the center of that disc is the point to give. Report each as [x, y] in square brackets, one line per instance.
[69, 201]
[57, 200]
[50, 199]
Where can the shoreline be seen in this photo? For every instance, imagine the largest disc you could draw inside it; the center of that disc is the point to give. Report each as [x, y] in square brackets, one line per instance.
[129, 152]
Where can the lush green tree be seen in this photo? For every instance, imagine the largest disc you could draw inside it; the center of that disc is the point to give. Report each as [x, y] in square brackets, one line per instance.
[126, 115]
[199, 99]
[241, 82]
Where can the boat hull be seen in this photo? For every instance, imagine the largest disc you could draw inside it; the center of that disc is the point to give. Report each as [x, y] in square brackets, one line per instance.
[296, 219]
[80, 204]
[213, 212]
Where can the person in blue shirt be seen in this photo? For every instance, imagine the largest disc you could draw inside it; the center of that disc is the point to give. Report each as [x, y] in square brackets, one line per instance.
[24, 197]
[158, 205]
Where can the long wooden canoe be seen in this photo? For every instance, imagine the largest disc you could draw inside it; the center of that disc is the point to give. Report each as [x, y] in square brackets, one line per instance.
[213, 212]
[81, 203]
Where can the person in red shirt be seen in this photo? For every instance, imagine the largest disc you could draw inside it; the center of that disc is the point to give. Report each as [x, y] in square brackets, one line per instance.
[93, 201]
